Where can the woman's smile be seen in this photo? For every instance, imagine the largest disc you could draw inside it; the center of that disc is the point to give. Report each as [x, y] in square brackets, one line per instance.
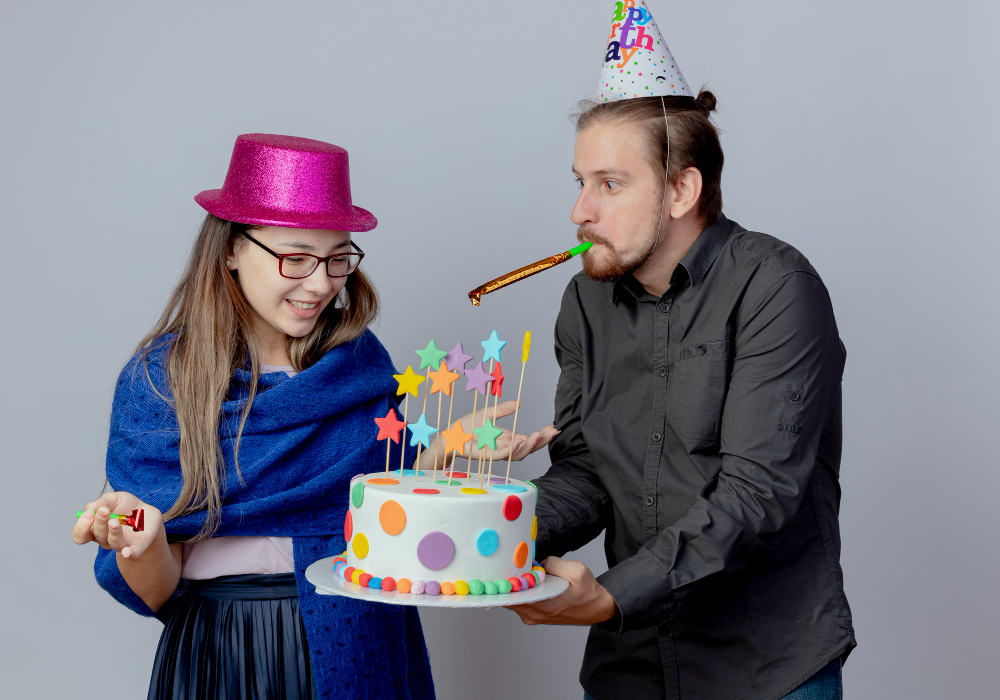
[304, 309]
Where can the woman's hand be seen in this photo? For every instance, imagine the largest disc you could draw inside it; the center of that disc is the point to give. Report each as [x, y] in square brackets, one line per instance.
[524, 445]
[95, 525]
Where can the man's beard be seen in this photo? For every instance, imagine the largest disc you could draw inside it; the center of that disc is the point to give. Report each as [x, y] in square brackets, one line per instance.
[618, 266]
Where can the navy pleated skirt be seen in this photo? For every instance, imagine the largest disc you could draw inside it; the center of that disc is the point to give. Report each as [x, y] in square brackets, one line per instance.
[235, 637]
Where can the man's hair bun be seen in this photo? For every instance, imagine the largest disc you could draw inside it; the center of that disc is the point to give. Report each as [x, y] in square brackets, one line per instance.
[707, 100]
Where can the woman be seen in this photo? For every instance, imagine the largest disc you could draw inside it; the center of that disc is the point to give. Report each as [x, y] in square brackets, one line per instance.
[237, 426]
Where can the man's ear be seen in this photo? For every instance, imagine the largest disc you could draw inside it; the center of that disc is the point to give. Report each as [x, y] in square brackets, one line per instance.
[687, 192]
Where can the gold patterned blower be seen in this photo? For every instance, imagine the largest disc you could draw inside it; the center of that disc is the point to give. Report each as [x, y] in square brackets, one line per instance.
[519, 274]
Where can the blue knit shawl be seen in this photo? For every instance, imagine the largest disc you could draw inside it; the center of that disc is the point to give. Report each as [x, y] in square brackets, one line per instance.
[304, 439]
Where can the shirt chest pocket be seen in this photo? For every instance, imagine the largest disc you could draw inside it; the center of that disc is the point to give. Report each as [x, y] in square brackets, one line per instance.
[696, 391]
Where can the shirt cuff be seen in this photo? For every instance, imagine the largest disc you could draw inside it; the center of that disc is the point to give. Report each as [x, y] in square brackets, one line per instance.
[641, 591]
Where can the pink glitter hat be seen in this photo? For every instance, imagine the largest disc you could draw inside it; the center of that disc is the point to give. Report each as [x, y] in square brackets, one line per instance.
[287, 181]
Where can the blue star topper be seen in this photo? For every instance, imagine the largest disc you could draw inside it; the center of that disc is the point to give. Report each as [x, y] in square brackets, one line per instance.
[492, 346]
[421, 432]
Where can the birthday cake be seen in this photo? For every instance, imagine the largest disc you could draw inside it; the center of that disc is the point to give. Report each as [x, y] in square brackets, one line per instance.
[423, 536]
[442, 531]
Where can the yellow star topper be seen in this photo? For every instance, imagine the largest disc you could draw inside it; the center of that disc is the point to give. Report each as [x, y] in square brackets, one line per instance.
[409, 381]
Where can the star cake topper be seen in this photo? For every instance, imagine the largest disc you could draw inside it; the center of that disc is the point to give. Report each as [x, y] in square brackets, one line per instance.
[389, 426]
[409, 382]
[430, 356]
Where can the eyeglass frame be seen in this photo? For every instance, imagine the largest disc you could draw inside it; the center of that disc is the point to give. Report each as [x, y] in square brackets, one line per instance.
[320, 261]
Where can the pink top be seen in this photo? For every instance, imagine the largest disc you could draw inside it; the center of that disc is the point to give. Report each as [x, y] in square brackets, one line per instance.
[230, 556]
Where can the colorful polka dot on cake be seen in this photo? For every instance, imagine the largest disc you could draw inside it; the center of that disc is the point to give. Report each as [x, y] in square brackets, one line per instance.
[360, 545]
[348, 527]
[521, 554]
[487, 542]
[358, 493]
[392, 517]
[436, 550]
[512, 507]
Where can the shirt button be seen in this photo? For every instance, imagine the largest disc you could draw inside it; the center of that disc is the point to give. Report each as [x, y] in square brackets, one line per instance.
[648, 500]
[702, 349]
[657, 437]
[663, 373]
[794, 396]
[663, 307]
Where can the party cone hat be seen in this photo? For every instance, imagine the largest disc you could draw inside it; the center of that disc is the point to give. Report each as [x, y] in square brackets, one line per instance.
[637, 62]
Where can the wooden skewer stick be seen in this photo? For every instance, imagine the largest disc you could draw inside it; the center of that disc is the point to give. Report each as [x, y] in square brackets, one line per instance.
[451, 405]
[489, 475]
[486, 410]
[452, 470]
[475, 404]
[402, 443]
[387, 441]
[524, 359]
[437, 440]
[420, 445]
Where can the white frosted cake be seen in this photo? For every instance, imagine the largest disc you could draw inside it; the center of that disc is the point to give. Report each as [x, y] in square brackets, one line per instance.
[423, 535]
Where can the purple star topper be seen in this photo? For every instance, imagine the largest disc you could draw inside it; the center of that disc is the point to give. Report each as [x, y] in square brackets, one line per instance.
[478, 379]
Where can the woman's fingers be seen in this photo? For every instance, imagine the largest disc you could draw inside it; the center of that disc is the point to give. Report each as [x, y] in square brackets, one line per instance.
[100, 528]
[82, 529]
[116, 536]
[137, 544]
[108, 500]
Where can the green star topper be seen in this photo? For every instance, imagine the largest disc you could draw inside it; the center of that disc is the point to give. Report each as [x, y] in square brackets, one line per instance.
[487, 435]
[430, 356]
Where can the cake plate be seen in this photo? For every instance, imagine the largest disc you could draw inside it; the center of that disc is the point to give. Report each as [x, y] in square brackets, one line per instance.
[320, 574]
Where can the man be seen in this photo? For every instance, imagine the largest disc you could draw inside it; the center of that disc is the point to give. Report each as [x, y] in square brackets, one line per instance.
[700, 414]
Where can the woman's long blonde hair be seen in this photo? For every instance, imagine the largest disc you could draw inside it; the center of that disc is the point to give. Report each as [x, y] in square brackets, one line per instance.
[212, 323]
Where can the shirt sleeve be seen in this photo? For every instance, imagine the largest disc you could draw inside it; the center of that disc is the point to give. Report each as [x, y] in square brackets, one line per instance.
[785, 381]
[572, 503]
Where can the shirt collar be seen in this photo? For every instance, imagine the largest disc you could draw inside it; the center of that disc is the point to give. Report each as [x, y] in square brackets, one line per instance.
[695, 262]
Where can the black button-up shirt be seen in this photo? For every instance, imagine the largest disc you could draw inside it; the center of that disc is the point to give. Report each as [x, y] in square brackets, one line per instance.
[702, 431]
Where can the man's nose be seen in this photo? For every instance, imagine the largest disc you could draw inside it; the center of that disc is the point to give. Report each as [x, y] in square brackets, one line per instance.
[583, 211]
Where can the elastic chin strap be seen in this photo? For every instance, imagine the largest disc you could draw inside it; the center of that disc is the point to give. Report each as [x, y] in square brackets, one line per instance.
[666, 175]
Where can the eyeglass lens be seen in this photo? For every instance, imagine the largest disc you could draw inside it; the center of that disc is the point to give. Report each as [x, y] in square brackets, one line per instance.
[298, 266]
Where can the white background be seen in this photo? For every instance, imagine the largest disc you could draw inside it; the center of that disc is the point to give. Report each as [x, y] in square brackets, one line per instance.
[864, 133]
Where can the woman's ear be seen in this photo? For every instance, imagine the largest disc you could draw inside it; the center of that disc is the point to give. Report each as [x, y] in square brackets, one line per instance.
[231, 254]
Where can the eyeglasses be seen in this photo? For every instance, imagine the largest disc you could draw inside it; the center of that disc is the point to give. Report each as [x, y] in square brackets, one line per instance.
[298, 265]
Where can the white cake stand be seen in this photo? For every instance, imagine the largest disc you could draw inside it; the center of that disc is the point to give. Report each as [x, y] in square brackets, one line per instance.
[320, 574]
